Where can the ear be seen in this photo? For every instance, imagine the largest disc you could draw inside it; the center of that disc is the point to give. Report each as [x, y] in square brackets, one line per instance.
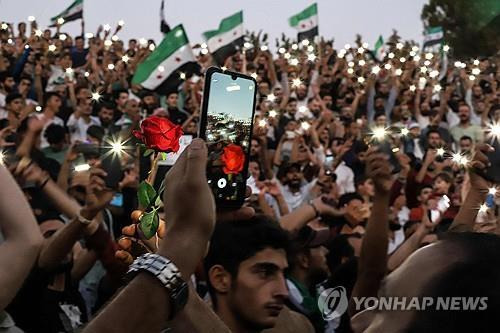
[303, 260]
[220, 279]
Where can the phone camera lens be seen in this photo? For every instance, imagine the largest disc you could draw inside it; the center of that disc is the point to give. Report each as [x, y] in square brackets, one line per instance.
[233, 77]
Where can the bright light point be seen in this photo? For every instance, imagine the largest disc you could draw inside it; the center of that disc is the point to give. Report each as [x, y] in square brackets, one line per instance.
[203, 45]
[254, 75]
[347, 46]
[365, 45]
[493, 130]
[204, 51]
[152, 47]
[456, 157]
[402, 59]
[413, 87]
[361, 79]
[264, 48]
[182, 76]
[125, 58]
[350, 70]
[429, 56]
[115, 38]
[2, 157]
[437, 88]
[310, 48]
[427, 63]
[111, 67]
[476, 71]
[413, 53]
[311, 57]
[433, 73]
[107, 27]
[60, 21]
[305, 42]
[281, 50]
[351, 64]
[472, 77]
[492, 190]
[38, 32]
[63, 37]
[362, 62]
[96, 96]
[399, 46]
[247, 45]
[5, 26]
[399, 72]
[52, 48]
[440, 151]
[295, 46]
[86, 74]
[375, 69]
[271, 97]
[302, 109]
[162, 69]
[361, 50]
[379, 133]
[387, 66]
[69, 70]
[446, 48]
[476, 62]
[108, 43]
[117, 147]
[287, 55]
[121, 23]
[341, 55]
[82, 167]
[391, 55]
[305, 125]
[423, 69]
[38, 108]
[89, 35]
[143, 42]
[404, 131]
[273, 114]
[262, 123]
[483, 209]
[294, 62]
[416, 58]
[414, 48]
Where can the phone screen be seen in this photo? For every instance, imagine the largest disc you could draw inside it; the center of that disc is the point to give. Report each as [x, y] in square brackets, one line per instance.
[227, 120]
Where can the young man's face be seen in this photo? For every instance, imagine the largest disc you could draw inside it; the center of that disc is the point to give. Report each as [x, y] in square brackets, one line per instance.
[465, 145]
[122, 99]
[24, 86]
[132, 108]
[254, 148]
[9, 83]
[172, 100]
[15, 106]
[294, 177]
[464, 113]
[318, 267]
[424, 194]
[54, 103]
[259, 291]
[291, 107]
[434, 140]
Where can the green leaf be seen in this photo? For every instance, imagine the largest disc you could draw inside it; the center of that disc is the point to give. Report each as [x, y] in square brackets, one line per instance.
[158, 202]
[145, 194]
[149, 223]
[148, 152]
[163, 156]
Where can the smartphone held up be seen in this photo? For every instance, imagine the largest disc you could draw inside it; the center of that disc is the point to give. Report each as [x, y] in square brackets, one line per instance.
[226, 126]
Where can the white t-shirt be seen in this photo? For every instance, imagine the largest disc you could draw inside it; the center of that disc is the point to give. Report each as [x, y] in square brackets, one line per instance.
[78, 127]
[345, 178]
[294, 200]
[56, 120]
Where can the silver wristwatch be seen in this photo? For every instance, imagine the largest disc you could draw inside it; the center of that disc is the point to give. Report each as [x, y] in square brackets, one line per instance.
[167, 273]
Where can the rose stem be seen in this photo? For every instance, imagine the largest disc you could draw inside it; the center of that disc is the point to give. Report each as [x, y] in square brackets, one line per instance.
[154, 168]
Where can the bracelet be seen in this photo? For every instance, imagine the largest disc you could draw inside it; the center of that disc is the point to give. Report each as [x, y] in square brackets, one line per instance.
[316, 211]
[42, 185]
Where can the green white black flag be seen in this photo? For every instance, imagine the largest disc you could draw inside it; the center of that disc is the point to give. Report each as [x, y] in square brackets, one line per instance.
[433, 36]
[72, 13]
[306, 22]
[170, 63]
[379, 50]
[227, 39]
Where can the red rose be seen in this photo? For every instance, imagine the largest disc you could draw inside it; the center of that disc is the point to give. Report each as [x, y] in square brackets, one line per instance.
[159, 134]
[233, 159]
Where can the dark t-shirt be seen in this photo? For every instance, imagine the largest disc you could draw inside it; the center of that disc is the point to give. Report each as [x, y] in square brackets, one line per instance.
[38, 309]
[177, 116]
[79, 57]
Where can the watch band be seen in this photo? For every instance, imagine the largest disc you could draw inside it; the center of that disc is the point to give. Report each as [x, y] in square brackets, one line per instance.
[167, 273]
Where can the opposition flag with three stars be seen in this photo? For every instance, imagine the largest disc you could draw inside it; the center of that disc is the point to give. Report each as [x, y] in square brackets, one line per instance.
[306, 23]
[168, 65]
[72, 13]
[227, 39]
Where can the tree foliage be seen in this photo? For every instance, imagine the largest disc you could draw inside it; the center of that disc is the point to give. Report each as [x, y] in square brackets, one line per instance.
[459, 19]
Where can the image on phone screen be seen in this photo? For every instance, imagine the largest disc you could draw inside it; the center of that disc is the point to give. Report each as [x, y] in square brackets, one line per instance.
[228, 129]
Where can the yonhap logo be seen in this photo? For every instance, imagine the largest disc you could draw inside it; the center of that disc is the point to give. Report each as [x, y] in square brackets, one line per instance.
[332, 302]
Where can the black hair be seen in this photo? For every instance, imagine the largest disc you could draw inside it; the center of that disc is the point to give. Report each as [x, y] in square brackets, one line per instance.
[236, 241]
[475, 274]
[55, 134]
[4, 75]
[78, 37]
[116, 93]
[432, 130]
[25, 77]
[291, 99]
[466, 137]
[348, 197]
[49, 95]
[12, 96]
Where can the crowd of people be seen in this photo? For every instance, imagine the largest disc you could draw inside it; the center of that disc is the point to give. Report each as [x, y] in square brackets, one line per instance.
[365, 173]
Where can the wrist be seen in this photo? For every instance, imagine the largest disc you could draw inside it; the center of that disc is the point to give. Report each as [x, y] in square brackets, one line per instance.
[88, 213]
